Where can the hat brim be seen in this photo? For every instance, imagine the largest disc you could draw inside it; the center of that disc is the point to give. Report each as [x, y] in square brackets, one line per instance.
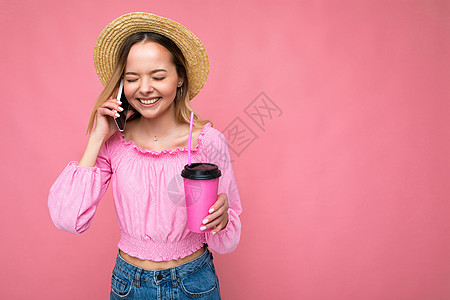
[113, 36]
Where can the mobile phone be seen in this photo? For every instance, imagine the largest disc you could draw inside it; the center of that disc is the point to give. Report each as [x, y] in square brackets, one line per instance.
[122, 119]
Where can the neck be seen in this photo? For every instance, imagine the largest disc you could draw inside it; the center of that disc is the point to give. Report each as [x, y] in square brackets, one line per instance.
[161, 126]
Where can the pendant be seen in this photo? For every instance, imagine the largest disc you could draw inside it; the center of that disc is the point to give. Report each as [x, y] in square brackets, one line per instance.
[155, 138]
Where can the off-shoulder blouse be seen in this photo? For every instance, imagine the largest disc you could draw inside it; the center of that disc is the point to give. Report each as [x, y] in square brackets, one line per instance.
[148, 196]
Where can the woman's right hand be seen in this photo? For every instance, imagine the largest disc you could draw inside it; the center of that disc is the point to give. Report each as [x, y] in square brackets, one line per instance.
[104, 124]
[104, 129]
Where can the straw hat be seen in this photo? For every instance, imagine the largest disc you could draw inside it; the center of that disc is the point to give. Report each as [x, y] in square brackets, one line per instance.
[113, 36]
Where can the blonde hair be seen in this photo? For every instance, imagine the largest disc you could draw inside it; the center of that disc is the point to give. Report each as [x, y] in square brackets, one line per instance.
[182, 104]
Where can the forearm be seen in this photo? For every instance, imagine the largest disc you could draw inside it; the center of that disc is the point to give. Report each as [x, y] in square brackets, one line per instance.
[226, 240]
[90, 154]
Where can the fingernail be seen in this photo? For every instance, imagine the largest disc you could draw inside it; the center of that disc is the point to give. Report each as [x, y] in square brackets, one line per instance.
[203, 228]
[211, 210]
[214, 232]
[120, 108]
[205, 221]
[117, 115]
[118, 101]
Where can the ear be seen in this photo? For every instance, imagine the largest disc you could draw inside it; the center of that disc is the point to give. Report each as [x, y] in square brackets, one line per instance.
[180, 80]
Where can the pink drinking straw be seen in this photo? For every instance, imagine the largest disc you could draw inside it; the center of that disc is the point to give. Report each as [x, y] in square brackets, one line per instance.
[190, 138]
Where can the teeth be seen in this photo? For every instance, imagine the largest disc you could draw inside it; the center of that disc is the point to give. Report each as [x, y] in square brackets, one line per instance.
[149, 101]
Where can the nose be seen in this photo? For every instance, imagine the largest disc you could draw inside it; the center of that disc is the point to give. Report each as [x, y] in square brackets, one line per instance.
[146, 86]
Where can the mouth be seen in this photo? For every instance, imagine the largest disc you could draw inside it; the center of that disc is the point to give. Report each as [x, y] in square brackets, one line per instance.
[149, 101]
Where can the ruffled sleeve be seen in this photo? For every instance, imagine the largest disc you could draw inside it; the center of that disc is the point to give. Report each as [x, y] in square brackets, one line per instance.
[74, 197]
[226, 240]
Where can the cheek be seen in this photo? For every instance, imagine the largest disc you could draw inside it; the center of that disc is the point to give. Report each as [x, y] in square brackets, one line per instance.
[166, 86]
[129, 92]
[169, 89]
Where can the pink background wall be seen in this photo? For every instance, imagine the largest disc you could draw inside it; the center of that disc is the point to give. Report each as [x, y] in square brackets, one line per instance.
[344, 187]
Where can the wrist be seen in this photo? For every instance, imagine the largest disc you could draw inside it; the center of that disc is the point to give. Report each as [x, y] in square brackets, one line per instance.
[97, 138]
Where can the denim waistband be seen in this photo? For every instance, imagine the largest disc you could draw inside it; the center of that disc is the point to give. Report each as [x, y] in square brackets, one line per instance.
[165, 274]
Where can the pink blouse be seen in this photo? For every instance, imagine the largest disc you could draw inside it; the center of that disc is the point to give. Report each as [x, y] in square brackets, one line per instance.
[148, 195]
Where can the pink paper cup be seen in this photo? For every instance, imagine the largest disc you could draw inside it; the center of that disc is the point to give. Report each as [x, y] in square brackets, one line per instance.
[201, 182]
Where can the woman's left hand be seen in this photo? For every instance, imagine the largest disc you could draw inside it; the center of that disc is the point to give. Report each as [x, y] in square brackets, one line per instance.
[219, 216]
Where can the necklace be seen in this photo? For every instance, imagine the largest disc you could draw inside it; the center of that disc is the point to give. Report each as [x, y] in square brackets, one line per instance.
[155, 138]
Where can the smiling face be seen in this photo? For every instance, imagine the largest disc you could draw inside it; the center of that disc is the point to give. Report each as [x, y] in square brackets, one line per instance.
[151, 79]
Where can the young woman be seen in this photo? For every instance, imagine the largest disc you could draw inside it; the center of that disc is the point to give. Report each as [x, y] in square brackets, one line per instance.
[163, 66]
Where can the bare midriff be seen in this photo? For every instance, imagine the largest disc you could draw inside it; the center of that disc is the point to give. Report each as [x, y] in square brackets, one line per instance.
[159, 265]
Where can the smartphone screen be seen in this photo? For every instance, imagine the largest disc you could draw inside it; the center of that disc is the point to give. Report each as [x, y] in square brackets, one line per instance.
[121, 121]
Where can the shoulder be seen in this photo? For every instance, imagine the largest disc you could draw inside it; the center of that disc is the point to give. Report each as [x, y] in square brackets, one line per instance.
[213, 136]
[214, 132]
[112, 143]
[209, 132]
[114, 140]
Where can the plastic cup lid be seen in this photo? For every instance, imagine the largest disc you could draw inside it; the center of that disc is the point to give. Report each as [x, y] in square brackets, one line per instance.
[201, 171]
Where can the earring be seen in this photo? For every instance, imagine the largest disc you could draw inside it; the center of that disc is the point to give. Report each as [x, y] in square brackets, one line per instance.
[181, 91]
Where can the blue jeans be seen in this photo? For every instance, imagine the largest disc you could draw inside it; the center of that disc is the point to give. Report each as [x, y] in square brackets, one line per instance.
[196, 279]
